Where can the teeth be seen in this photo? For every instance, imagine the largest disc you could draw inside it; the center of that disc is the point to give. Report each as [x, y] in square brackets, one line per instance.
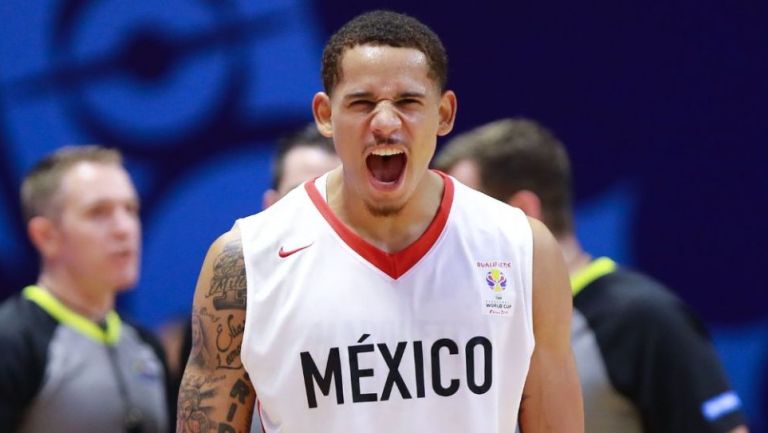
[386, 152]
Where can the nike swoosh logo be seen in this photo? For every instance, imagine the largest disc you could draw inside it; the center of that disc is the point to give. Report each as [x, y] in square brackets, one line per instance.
[283, 253]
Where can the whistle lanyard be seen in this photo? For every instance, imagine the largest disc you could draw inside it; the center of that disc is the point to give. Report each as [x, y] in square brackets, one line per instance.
[132, 420]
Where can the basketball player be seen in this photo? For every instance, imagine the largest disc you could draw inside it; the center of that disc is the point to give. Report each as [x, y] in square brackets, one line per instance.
[383, 297]
[644, 363]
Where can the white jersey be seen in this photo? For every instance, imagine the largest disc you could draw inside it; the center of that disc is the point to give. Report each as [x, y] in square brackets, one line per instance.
[343, 337]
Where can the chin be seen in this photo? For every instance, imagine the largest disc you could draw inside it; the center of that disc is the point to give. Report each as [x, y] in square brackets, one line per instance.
[124, 287]
[125, 282]
[382, 209]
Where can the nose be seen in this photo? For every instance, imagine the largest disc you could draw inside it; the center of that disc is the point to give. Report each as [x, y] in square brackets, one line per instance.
[125, 223]
[386, 120]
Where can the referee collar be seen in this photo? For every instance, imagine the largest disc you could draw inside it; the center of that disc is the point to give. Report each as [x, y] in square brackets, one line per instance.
[596, 269]
[108, 334]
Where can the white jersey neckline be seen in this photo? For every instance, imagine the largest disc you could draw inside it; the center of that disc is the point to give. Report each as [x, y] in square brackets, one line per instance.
[392, 264]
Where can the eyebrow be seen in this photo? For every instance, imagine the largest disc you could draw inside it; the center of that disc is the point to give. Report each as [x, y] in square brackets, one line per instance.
[369, 95]
[101, 201]
[356, 95]
[412, 95]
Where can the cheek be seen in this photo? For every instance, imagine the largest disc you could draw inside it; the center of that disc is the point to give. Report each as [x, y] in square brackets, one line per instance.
[86, 242]
[137, 228]
[83, 256]
[348, 148]
[424, 153]
[345, 122]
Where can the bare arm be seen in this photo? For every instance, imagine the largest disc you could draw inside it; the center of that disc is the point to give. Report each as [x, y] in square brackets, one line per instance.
[216, 394]
[552, 395]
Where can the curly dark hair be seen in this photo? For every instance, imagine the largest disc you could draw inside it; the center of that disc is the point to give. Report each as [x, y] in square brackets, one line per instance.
[384, 28]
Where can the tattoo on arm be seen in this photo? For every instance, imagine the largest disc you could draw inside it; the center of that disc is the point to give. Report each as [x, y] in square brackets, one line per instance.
[194, 410]
[238, 394]
[228, 292]
[228, 340]
[228, 281]
[193, 413]
[199, 354]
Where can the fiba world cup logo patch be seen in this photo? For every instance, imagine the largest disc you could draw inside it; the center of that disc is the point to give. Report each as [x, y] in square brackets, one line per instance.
[496, 280]
[499, 293]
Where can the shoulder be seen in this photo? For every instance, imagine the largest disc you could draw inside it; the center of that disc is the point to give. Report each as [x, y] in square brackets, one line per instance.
[546, 251]
[296, 211]
[224, 257]
[638, 299]
[12, 309]
[294, 203]
[26, 331]
[23, 319]
[639, 322]
[15, 320]
[229, 242]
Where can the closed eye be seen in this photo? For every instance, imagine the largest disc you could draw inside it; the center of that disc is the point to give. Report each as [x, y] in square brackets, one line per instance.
[361, 104]
[409, 102]
[133, 208]
[100, 210]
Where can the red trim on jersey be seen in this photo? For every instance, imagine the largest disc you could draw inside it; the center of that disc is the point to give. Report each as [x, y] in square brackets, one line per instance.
[392, 264]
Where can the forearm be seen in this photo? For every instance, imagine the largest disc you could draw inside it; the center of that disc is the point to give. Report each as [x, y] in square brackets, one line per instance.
[552, 398]
[213, 400]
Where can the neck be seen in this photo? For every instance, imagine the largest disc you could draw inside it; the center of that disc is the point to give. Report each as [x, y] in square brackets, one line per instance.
[391, 233]
[575, 257]
[87, 301]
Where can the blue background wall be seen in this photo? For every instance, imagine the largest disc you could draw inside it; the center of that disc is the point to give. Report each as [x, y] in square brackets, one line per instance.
[662, 107]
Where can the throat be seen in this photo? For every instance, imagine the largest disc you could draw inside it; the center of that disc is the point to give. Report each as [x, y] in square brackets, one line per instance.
[92, 307]
[390, 233]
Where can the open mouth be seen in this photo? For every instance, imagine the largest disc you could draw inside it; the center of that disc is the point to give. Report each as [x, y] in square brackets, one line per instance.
[386, 166]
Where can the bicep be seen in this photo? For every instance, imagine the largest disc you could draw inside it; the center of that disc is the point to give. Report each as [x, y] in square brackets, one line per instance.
[552, 396]
[215, 392]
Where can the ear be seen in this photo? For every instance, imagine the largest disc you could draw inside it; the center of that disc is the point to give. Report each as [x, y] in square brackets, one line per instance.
[269, 198]
[321, 109]
[447, 112]
[527, 201]
[44, 236]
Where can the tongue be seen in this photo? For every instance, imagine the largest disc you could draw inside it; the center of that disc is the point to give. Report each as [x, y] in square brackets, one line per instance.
[386, 168]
